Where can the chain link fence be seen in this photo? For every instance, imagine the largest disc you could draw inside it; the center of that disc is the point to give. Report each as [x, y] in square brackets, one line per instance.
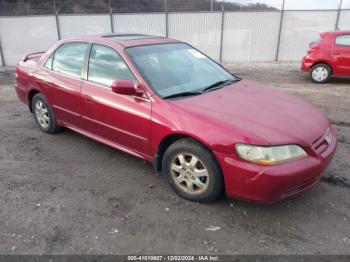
[226, 30]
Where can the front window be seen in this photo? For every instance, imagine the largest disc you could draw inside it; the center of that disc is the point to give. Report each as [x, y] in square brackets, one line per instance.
[106, 66]
[172, 69]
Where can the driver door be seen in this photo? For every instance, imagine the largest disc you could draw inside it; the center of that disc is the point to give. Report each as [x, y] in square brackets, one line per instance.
[119, 119]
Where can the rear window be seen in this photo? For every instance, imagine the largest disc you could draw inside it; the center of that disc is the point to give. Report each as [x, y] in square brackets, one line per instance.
[48, 63]
[68, 59]
[343, 40]
[316, 41]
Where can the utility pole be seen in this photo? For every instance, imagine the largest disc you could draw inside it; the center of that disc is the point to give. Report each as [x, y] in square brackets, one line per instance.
[338, 15]
[111, 15]
[222, 28]
[2, 55]
[166, 18]
[280, 31]
[57, 21]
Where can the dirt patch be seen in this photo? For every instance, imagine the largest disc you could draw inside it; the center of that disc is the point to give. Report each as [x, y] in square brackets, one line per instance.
[336, 180]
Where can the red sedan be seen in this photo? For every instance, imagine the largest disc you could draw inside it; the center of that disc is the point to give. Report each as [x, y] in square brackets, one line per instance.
[159, 99]
[328, 56]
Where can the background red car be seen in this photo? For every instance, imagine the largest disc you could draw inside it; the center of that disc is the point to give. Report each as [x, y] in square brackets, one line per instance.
[328, 56]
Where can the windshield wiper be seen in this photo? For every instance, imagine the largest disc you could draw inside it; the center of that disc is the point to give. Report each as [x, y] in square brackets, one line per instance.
[182, 94]
[219, 84]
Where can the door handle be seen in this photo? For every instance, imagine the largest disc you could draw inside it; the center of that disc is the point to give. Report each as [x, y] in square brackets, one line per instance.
[89, 99]
[336, 53]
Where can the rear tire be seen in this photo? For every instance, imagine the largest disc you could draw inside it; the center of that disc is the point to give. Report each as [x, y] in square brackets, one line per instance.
[320, 73]
[192, 171]
[43, 115]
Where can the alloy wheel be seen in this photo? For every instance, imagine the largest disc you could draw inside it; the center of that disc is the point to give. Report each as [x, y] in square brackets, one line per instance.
[189, 173]
[42, 114]
[320, 73]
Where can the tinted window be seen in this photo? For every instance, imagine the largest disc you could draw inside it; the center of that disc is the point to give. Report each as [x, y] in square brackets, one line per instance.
[48, 63]
[343, 40]
[69, 58]
[176, 68]
[106, 66]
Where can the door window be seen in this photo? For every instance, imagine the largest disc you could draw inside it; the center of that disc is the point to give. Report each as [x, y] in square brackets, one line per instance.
[69, 59]
[48, 63]
[106, 66]
[343, 40]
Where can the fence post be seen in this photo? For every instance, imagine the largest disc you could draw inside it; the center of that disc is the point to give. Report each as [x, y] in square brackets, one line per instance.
[166, 18]
[2, 55]
[280, 31]
[57, 21]
[111, 15]
[338, 15]
[222, 29]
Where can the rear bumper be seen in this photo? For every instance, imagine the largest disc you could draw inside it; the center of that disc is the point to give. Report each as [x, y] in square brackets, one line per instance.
[268, 184]
[21, 93]
[306, 64]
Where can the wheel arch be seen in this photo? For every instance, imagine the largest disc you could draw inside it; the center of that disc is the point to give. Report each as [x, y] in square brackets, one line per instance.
[31, 94]
[172, 138]
[323, 62]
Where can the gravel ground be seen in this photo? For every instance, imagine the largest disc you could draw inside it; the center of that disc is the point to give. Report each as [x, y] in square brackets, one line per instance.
[67, 194]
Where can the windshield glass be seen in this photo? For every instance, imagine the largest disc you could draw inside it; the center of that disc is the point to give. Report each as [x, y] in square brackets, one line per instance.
[172, 69]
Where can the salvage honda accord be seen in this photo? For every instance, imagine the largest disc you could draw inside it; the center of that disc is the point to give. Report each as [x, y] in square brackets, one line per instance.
[159, 99]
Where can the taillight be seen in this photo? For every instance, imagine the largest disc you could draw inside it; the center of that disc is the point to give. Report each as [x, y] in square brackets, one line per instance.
[313, 48]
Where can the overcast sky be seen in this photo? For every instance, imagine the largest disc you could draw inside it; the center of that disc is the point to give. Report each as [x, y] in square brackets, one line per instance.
[300, 4]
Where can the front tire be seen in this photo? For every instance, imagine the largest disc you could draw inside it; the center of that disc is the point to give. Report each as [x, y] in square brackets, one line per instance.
[192, 171]
[43, 115]
[320, 73]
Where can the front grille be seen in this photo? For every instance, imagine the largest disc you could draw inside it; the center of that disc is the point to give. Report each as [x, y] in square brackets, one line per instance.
[296, 189]
[321, 144]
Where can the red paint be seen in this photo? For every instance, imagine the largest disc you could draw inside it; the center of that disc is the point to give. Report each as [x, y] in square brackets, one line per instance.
[328, 52]
[244, 112]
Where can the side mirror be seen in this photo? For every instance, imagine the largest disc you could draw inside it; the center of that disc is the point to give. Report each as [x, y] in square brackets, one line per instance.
[126, 87]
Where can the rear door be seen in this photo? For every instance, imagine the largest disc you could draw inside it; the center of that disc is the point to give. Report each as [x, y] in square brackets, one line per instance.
[64, 80]
[341, 53]
[121, 119]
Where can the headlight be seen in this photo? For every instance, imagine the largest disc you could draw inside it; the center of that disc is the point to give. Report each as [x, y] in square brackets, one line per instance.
[269, 155]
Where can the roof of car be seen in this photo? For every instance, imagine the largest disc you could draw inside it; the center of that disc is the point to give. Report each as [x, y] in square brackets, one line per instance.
[342, 32]
[128, 37]
[125, 40]
[337, 32]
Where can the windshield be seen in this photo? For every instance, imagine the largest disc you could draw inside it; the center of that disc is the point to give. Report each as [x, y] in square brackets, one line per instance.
[172, 69]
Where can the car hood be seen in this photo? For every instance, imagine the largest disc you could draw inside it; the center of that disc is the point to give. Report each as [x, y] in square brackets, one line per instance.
[267, 113]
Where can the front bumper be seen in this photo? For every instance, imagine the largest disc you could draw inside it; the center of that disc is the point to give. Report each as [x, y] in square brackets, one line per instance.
[268, 184]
